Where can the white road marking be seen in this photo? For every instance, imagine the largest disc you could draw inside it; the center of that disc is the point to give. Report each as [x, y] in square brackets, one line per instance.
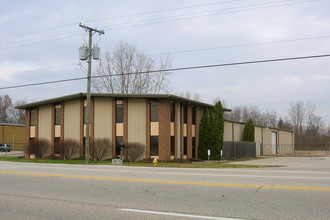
[176, 214]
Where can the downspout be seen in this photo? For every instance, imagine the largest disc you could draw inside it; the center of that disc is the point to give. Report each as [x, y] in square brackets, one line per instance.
[3, 133]
[181, 133]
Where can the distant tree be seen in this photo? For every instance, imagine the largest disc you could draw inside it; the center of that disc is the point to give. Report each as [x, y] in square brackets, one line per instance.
[5, 108]
[8, 114]
[18, 115]
[117, 70]
[284, 124]
[190, 95]
[248, 132]
[297, 113]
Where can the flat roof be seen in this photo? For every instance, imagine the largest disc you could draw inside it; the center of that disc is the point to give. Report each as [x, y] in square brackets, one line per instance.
[11, 124]
[114, 95]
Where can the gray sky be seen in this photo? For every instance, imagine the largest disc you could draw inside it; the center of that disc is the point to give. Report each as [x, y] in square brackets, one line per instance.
[43, 34]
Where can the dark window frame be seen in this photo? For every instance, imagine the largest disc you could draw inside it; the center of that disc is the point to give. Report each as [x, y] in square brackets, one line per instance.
[57, 116]
[185, 114]
[172, 145]
[172, 111]
[154, 110]
[119, 139]
[33, 117]
[154, 146]
[193, 115]
[185, 148]
[84, 114]
[119, 112]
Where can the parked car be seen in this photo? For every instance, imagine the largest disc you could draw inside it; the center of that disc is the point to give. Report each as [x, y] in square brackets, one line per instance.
[5, 147]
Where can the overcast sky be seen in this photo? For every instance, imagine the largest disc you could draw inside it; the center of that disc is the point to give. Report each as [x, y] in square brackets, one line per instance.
[37, 36]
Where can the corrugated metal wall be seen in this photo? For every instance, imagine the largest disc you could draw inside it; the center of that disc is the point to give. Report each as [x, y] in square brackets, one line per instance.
[45, 122]
[103, 118]
[72, 120]
[137, 121]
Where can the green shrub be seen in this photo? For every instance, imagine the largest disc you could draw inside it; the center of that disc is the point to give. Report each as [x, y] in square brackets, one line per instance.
[248, 133]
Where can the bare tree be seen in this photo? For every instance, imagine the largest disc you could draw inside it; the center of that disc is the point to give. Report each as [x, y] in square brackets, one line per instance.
[134, 151]
[129, 71]
[18, 115]
[39, 147]
[5, 108]
[297, 116]
[284, 124]
[189, 95]
[8, 114]
[70, 148]
[102, 147]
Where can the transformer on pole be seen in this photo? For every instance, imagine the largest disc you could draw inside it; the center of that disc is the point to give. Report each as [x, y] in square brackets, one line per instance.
[82, 56]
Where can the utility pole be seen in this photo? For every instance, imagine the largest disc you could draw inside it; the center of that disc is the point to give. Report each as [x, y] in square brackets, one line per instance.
[90, 31]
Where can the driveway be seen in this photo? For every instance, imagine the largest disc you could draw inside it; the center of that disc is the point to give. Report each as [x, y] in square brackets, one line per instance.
[12, 154]
[296, 163]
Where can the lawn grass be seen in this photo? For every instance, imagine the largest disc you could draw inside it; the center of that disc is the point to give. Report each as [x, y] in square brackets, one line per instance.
[160, 164]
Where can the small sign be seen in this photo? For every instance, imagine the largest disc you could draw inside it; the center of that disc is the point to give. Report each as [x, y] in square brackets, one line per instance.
[208, 152]
[116, 161]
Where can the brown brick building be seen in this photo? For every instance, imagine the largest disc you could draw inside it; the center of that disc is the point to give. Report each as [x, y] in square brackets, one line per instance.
[166, 125]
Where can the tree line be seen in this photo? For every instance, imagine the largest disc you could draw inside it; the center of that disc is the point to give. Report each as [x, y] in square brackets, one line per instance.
[309, 128]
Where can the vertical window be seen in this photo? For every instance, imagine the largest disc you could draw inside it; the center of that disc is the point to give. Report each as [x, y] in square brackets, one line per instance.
[153, 145]
[185, 114]
[119, 139]
[185, 146]
[153, 110]
[172, 145]
[172, 111]
[119, 111]
[57, 115]
[193, 112]
[57, 145]
[32, 117]
[193, 142]
[85, 113]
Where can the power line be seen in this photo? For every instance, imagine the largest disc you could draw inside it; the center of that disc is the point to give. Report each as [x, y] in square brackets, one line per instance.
[197, 50]
[122, 16]
[241, 45]
[166, 19]
[177, 69]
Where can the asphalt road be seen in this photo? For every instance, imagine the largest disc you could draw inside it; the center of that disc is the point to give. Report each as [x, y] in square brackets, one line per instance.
[49, 191]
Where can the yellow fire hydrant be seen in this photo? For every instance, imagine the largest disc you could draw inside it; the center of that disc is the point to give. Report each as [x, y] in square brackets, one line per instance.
[155, 162]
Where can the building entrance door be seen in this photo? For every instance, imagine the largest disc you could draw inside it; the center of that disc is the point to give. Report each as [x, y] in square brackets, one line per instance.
[274, 143]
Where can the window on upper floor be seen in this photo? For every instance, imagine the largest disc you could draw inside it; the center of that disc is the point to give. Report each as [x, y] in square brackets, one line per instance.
[119, 111]
[32, 117]
[185, 113]
[57, 115]
[193, 115]
[172, 111]
[153, 110]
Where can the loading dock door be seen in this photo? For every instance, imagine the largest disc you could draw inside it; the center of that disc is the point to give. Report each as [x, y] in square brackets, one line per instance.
[274, 143]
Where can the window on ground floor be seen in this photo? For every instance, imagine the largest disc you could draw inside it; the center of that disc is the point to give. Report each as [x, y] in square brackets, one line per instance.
[119, 139]
[185, 146]
[57, 145]
[172, 145]
[153, 145]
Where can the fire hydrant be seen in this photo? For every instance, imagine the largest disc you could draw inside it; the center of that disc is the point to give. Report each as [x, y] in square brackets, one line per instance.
[155, 162]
